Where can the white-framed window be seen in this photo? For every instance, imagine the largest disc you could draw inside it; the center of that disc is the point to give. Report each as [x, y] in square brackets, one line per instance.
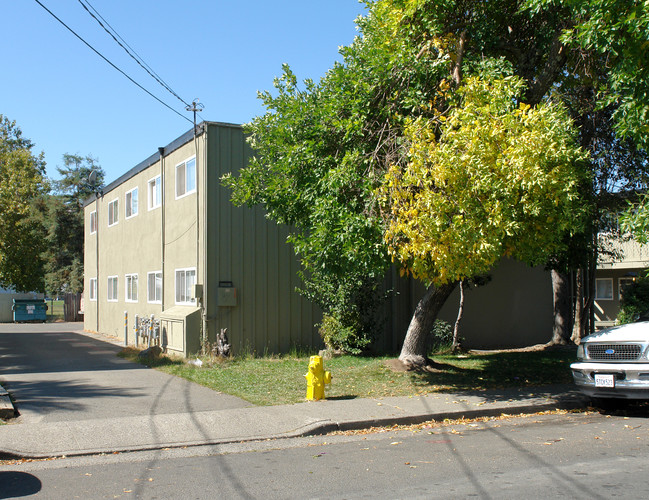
[604, 289]
[111, 295]
[93, 222]
[154, 287]
[113, 212]
[624, 283]
[155, 192]
[131, 203]
[185, 280]
[92, 289]
[186, 177]
[131, 287]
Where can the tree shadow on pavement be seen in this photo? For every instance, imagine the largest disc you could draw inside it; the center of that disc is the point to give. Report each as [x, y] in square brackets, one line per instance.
[48, 352]
[46, 396]
[18, 484]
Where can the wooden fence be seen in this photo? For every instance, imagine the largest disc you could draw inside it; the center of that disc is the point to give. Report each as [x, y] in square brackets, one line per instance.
[72, 307]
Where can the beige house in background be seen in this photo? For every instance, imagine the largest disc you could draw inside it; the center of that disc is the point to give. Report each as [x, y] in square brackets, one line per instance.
[164, 239]
[619, 265]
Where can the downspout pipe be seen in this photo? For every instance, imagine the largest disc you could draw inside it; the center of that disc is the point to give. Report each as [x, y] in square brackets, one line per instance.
[161, 152]
[201, 190]
[205, 234]
[97, 281]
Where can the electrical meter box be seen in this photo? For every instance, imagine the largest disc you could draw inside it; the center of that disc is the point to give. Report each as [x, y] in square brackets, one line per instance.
[227, 294]
[180, 327]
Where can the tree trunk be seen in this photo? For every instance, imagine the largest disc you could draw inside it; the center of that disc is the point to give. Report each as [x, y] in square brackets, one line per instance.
[414, 352]
[588, 323]
[562, 311]
[459, 56]
[577, 331]
[457, 345]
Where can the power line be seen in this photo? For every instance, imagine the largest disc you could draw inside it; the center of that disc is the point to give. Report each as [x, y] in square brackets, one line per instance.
[129, 50]
[109, 62]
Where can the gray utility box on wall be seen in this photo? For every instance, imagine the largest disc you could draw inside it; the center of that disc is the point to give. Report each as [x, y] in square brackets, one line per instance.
[227, 294]
[180, 328]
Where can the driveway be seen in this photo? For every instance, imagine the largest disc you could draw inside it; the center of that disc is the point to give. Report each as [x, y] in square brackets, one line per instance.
[56, 373]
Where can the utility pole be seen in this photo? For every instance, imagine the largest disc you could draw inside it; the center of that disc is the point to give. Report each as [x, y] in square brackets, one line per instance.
[195, 106]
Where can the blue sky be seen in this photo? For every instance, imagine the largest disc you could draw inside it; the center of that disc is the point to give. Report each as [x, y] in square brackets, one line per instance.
[66, 99]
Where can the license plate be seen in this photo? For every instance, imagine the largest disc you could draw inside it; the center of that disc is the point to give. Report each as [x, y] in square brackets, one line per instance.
[604, 380]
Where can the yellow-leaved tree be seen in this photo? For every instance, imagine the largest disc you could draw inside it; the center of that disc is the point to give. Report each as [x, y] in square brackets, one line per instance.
[491, 178]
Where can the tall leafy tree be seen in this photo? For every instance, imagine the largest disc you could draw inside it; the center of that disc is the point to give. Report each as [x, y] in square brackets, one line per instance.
[22, 184]
[63, 214]
[323, 149]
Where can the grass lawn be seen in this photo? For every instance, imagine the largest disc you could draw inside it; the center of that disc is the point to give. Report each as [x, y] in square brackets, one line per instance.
[55, 310]
[280, 380]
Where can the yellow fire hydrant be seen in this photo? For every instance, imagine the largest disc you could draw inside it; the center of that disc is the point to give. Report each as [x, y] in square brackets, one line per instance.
[316, 378]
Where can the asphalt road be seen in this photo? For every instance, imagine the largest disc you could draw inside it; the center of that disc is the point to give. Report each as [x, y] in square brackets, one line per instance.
[592, 456]
[57, 374]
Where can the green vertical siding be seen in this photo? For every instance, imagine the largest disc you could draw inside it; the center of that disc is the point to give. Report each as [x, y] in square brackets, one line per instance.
[251, 251]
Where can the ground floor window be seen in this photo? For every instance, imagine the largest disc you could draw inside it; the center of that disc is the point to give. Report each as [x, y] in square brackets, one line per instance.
[131, 287]
[185, 280]
[112, 289]
[154, 287]
[604, 289]
[92, 292]
[625, 283]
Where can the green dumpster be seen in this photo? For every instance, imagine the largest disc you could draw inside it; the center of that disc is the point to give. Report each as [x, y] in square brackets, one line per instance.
[29, 310]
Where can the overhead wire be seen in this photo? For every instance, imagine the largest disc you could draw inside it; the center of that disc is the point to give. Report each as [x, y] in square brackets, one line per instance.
[109, 62]
[128, 49]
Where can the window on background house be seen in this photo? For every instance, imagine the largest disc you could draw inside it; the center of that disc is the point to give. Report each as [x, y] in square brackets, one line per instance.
[155, 192]
[186, 178]
[154, 287]
[185, 280]
[625, 283]
[111, 295]
[113, 212]
[92, 292]
[604, 289]
[131, 287]
[93, 222]
[131, 203]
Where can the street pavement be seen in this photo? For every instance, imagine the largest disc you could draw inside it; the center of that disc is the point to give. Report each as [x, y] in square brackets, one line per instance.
[75, 397]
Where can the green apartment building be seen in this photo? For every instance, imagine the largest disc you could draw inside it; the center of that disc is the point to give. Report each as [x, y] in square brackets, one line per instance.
[165, 240]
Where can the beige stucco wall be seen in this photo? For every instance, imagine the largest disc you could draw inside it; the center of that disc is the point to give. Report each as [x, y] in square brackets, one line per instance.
[135, 245]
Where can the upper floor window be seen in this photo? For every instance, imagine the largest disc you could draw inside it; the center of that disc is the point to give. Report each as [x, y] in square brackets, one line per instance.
[113, 212]
[131, 203]
[93, 222]
[155, 192]
[186, 177]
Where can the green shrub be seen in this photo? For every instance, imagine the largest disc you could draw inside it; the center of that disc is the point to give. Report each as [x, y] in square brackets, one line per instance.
[442, 336]
[635, 301]
[343, 336]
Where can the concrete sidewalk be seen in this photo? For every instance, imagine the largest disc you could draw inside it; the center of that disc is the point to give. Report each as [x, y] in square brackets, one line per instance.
[125, 433]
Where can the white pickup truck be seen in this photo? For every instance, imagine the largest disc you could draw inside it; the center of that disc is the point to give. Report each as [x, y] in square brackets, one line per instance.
[614, 363]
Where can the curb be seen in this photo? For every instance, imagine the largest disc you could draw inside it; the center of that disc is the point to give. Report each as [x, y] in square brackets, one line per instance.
[321, 428]
[315, 428]
[7, 409]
